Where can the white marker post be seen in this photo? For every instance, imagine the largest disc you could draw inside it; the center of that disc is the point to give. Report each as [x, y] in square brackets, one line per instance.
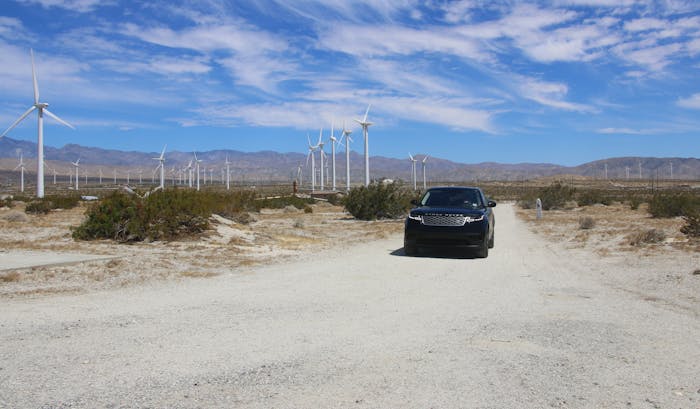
[538, 205]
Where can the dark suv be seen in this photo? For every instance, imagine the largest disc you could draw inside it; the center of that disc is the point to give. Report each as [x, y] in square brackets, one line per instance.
[451, 216]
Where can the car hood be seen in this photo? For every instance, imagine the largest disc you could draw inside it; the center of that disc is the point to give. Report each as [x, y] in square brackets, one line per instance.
[424, 210]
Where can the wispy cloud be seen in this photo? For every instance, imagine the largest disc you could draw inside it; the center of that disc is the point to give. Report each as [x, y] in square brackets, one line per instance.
[550, 94]
[81, 6]
[691, 102]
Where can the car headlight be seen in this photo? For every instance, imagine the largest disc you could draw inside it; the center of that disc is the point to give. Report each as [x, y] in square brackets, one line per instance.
[474, 219]
[416, 217]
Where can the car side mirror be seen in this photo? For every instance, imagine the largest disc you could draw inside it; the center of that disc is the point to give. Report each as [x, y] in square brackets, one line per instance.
[491, 203]
[414, 202]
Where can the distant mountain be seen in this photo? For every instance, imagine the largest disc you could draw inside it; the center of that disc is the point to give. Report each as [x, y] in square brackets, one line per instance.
[275, 166]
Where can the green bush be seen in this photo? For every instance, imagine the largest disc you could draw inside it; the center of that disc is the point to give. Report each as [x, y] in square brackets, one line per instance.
[48, 203]
[674, 204]
[378, 201]
[556, 195]
[284, 201]
[38, 207]
[7, 202]
[162, 215]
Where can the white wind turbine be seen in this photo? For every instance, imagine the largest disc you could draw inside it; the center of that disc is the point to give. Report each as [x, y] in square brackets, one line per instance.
[188, 169]
[333, 142]
[348, 139]
[299, 175]
[312, 148]
[320, 147]
[46, 165]
[161, 165]
[228, 173]
[76, 164]
[115, 176]
[100, 172]
[423, 168]
[20, 166]
[196, 164]
[41, 109]
[413, 169]
[365, 133]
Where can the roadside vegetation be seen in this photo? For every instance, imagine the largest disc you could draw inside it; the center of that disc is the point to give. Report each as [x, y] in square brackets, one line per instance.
[170, 214]
[666, 203]
[379, 201]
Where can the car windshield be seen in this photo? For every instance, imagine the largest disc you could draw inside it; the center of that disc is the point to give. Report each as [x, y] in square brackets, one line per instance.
[464, 198]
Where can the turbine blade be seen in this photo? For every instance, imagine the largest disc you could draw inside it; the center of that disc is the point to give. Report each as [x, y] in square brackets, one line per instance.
[308, 139]
[162, 154]
[426, 158]
[24, 115]
[320, 135]
[410, 156]
[307, 158]
[58, 119]
[367, 112]
[36, 86]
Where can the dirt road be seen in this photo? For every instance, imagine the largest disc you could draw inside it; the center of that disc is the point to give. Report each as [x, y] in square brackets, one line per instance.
[530, 326]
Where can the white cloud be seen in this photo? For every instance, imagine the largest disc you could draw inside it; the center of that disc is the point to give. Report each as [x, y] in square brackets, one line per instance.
[549, 94]
[691, 102]
[622, 131]
[644, 24]
[82, 6]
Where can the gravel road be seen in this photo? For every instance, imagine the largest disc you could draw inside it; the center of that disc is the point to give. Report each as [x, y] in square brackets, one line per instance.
[363, 327]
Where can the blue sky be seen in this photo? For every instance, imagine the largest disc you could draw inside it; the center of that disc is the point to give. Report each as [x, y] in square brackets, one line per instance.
[561, 81]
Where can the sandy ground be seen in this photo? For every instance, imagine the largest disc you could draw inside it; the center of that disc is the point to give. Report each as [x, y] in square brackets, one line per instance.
[543, 322]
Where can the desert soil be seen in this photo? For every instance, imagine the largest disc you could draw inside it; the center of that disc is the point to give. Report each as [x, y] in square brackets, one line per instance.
[548, 320]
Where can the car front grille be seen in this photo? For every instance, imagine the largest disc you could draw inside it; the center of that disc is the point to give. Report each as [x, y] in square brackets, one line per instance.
[444, 220]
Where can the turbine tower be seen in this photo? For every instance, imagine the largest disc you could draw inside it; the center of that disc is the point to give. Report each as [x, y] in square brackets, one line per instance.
[333, 142]
[228, 173]
[320, 147]
[413, 170]
[41, 109]
[312, 148]
[423, 168]
[365, 133]
[21, 172]
[77, 175]
[196, 164]
[161, 165]
[348, 139]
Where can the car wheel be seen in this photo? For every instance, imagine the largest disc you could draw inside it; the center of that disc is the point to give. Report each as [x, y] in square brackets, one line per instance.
[483, 250]
[491, 240]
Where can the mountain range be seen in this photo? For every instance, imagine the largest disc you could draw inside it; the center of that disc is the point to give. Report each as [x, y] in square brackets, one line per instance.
[275, 166]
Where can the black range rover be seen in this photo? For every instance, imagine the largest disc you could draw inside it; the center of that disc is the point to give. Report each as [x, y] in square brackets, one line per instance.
[451, 216]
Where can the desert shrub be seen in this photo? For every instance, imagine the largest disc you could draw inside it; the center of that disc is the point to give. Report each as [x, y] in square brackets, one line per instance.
[586, 223]
[284, 201]
[308, 209]
[378, 201]
[691, 228]
[634, 201]
[38, 207]
[647, 237]
[555, 195]
[6, 202]
[336, 199]
[674, 204]
[162, 215]
[593, 196]
[48, 203]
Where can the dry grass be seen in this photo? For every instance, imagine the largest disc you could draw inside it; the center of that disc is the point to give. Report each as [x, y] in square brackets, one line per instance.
[272, 236]
[615, 228]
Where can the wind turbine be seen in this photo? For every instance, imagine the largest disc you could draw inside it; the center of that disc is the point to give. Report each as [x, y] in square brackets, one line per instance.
[312, 148]
[196, 164]
[365, 133]
[228, 173]
[115, 176]
[77, 176]
[320, 147]
[161, 165]
[53, 170]
[188, 169]
[299, 174]
[333, 142]
[346, 134]
[423, 168]
[41, 109]
[21, 172]
[100, 176]
[413, 169]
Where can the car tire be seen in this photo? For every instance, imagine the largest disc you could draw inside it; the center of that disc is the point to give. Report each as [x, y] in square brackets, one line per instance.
[483, 250]
[492, 240]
